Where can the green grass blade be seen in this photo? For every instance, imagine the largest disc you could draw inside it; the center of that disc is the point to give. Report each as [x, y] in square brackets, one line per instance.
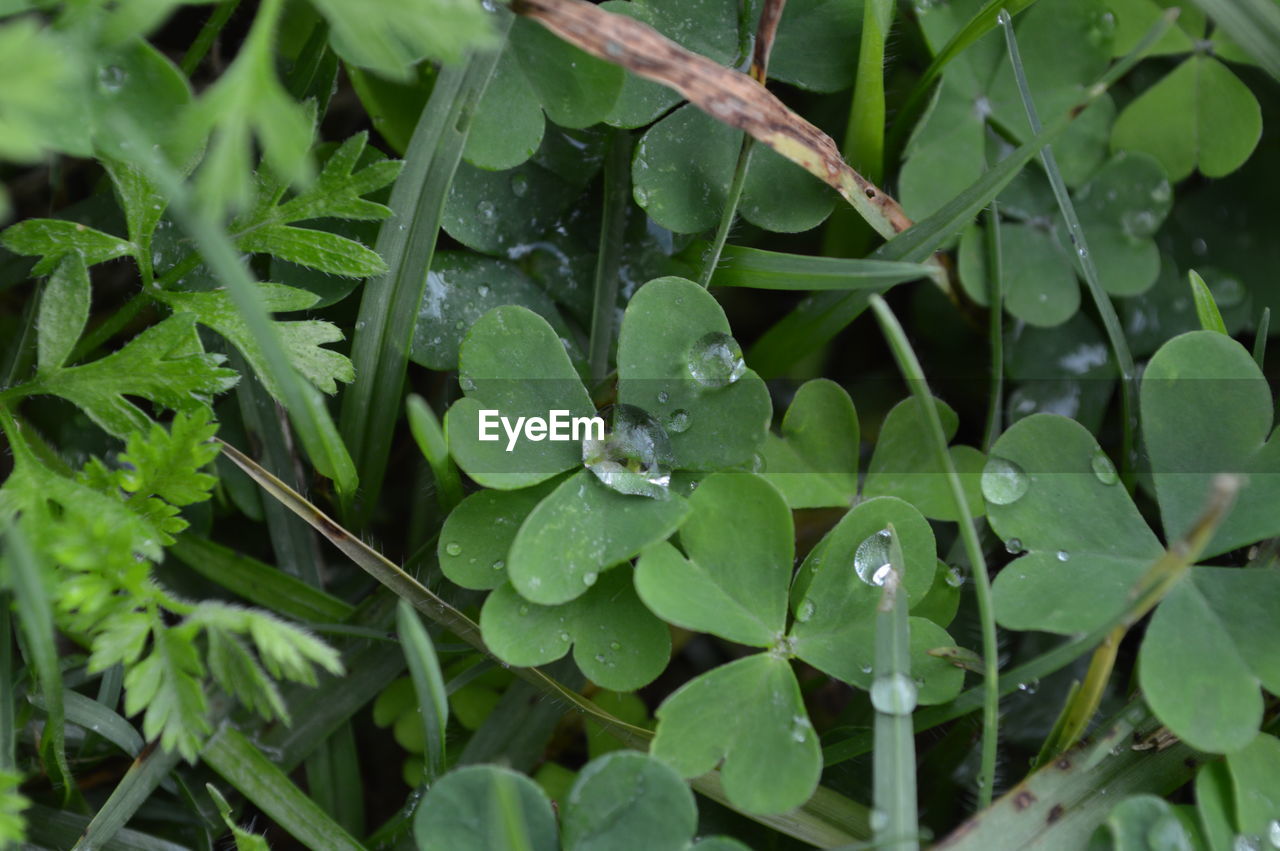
[430, 438]
[755, 268]
[50, 828]
[1101, 301]
[893, 695]
[142, 778]
[258, 583]
[406, 241]
[508, 805]
[335, 781]
[35, 620]
[428, 683]
[1252, 24]
[820, 317]
[1260, 339]
[92, 715]
[613, 224]
[245, 767]
[1060, 805]
[995, 328]
[914, 375]
[1206, 308]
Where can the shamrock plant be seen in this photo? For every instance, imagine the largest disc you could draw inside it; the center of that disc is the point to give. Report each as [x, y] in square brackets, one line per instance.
[732, 577]
[1199, 666]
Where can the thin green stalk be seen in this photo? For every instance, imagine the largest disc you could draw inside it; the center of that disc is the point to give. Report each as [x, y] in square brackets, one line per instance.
[389, 306]
[133, 790]
[208, 33]
[730, 212]
[613, 225]
[1106, 310]
[995, 328]
[1260, 340]
[914, 375]
[893, 696]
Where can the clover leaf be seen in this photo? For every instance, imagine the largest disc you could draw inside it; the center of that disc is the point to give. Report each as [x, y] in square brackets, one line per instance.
[814, 461]
[1120, 208]
[1065, 46]
[617, 642]
[1054, 495]
[1199, 115]
[621, 800]
[732, 580]
[686, 402]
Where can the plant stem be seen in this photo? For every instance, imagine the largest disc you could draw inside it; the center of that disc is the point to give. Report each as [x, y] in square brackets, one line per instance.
[204, 40]
[613, 225]
[909, 364]
[995, 330]
[1106, 310]
[712, 258]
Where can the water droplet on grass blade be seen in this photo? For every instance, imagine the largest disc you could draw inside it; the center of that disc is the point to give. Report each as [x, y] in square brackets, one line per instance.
[634, 456]
[1063, 555]
[453, 548]
[1003, 481]
[715, 360]
[894, 694]
[871, 559]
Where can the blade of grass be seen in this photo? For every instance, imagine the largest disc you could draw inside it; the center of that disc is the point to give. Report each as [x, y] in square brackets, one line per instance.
[430, 438]
[819, 318]
[755, 268]
[258, 583]
[909, 365]
[1206, 308]
[1260, 338]
[428, 683]
[995, 327]
[1252, 24]
[207, 35]
[766, 30]
[335, 780]
[92, 715]
[245, 767]
[1101, 301]
[512, 815]
[50, 828]
[142, 778]
[40, 646]
[894, 764]
[828, 814]
[1060, 805]
[406, 241]
[304, 402]
[613, 224]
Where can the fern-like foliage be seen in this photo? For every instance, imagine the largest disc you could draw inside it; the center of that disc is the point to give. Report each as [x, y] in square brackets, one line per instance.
[100, 533]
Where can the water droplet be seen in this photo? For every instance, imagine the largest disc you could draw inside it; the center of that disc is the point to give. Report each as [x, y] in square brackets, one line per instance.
[1199, 247]
[1082, 252]
[589, 578]
[486, 210]
[483, 290]
[615, 645]
[1273, 832]
[954, 578]
[894, 694]
[634, 456]
[519, 185]
[1030, 687]
[1063, 555]
[1227, 291]
[663, 397]
[1013, 546]
[1103, 468]
[1162, 192]
[1245, 842]
[800, 727]
[467, 383]
[564, 636]
[715, 360]
[112, 78]
[524, 609]
[879, 820]
[499, 564]
[453, 548]
[1003, 481]
[489, 5]
[1140, 224]
[678, 422]
[806, 610]
[871, 558]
